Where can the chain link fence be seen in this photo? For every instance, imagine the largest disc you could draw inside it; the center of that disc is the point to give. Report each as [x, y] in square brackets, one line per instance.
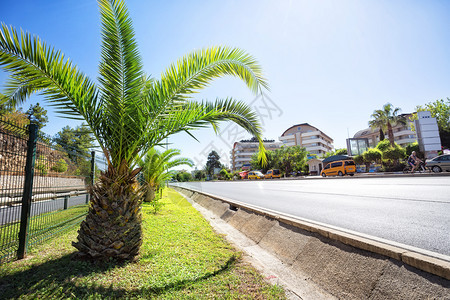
[43, 188]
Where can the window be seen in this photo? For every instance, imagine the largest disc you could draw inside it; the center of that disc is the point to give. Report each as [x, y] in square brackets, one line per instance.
[336, 164]
[349, 163]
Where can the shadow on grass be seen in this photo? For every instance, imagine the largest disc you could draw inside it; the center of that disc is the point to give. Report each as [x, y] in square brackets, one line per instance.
[66, 278]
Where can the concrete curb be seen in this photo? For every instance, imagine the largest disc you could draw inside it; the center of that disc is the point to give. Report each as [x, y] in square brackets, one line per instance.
[258, 229]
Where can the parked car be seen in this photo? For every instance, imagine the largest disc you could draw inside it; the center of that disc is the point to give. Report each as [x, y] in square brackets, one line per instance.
[255, 175]
[271, 174]
[339, 168]
[439, 163]
[243, 174]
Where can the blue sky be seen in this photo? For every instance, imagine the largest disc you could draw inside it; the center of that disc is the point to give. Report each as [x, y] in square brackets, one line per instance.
[328, 63]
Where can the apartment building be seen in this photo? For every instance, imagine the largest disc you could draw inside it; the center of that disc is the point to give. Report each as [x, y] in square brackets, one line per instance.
[403, 135]
[241, 154]
[314, 140]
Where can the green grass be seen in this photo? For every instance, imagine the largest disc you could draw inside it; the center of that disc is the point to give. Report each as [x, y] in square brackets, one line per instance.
[181, 258]
[41, 227]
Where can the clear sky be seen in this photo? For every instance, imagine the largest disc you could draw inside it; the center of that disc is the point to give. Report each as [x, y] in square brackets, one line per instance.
[328, 63]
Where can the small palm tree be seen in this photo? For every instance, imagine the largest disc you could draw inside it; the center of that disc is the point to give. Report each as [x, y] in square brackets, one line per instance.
[128, 113]
[385, 119]
[156, 170]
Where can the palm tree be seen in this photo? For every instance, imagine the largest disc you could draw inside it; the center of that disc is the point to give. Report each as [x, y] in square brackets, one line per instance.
[156, 169]
[128, 113]
[385, 119]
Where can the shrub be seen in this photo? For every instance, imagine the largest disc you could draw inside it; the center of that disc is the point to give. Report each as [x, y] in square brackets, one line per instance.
[383, 145]
[372, 155]
[359, 159]
[40, 165]
[394, 153]
[224, 174]
[413, 147]
[60, 166]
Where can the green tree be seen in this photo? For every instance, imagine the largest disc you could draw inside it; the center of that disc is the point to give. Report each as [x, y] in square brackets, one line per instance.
[75, 141]
[183, 176]
[199, 175]
[60, 166]
[386, 118]
[290, 159]
[37, 114]
[257, 164]
[224, 174]
[15, 116]
[383, 145]
[213, 162]
[394, 154]
[341, 151]
[390, 154]
[372, 155]
[359, 159]
[413, 147]
[128, 112]
[156, 170]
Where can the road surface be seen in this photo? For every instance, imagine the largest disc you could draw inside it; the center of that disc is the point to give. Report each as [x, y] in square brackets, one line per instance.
[410, 210]
[9, 214]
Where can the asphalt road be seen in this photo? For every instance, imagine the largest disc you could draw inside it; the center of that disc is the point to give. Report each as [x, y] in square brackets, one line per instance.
[9, 214]
[414, 211]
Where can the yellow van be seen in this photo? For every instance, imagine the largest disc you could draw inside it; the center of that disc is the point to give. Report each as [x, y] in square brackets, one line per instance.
[339, 168]
[271, 174]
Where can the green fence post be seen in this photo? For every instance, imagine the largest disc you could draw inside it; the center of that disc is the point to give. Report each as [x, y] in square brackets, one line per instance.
[92, 167]
[91, 177]
[27, 191]
[66, 200]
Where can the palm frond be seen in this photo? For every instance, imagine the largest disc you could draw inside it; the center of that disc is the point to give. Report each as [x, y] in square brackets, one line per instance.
[196, 70]
[121, 79]
[34, 66]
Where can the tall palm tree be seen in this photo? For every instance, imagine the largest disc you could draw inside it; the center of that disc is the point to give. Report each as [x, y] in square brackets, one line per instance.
[156, 169]
[385, 119]
[128, 113]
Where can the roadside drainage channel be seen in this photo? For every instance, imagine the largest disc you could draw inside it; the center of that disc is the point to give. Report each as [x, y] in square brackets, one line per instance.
[343, 264]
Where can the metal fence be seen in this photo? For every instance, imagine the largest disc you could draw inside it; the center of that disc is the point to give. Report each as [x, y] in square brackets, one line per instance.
[42, 188]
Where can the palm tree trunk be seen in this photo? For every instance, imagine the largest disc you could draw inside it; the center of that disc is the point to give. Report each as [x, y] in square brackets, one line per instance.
[150, 193]
[112, 228]
[391, 134]
[381, 134]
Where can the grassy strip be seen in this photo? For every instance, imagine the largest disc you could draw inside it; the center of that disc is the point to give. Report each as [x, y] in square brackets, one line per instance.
[41, 227]
[181, 258]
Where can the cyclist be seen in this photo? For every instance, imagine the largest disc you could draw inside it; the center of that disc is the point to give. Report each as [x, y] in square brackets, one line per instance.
[413, 161]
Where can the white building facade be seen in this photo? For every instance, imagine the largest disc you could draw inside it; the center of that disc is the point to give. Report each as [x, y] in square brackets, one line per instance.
[242, 152]
[314, 140]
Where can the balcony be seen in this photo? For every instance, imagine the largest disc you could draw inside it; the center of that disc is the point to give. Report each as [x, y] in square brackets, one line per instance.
[306, 134]
[404, 132]
[305, 143]
[315, 148]
[242, 159]
[285, 138]
[406, 141]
